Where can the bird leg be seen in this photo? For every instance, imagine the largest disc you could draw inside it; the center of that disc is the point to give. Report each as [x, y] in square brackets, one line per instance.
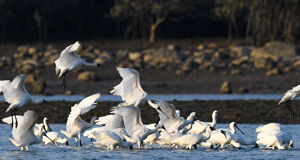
[195, 146]
[64, 81]
[12, 118]
[287, 104]
[217, 147]
[15, 110]
[80, 143]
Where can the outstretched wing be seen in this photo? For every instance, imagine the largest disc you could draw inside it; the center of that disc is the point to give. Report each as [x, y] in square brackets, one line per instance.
[66, 56]
[130, 88]
[78, 109]
[170, 116]
[7, 120]
[268, 127]
[28, 123]
[132, 118]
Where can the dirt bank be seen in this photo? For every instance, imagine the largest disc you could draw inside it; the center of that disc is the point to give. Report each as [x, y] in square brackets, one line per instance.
[252, 111]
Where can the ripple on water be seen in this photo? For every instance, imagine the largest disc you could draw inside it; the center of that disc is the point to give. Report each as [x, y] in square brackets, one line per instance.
[89, 151]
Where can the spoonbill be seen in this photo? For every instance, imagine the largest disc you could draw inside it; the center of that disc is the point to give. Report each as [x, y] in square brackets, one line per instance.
[69, 61]
[110, 140]
[16, 95]
[75, 125]
[134, 125]
[130, 89]
[23, 135]
[271, 135]
[170, 119]
[200, 127]
[288, 97]
[191, 140]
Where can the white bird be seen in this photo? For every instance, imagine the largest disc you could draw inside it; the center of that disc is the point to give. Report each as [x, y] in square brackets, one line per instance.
[151, 139]
[75, 125]
[169, 118]
[110, 140]
[199, 127]
[271, 135]
[130, 88]
[222, 138]
[16, 95]
[23, 135]
[54, 137]
[289, 96]
[69, 61]
[191, 140]
[231, 128]
[134, 125]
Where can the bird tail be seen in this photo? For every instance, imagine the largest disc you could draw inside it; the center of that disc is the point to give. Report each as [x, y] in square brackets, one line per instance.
[15, 142]
[68, 134]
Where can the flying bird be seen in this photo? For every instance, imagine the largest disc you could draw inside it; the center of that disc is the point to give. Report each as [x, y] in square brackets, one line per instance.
[69, 61]
[16, 95]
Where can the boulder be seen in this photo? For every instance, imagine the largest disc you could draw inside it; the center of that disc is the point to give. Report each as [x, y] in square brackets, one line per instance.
[212, 45]
[134, 56]
[243, 90]
[38, 86]
[173, 47]
[241, 50]
[87, 76]
[201, 47]
[262, 63]
[274, 72]
[122, 54]
[219, 55]
[32, 50]
[26, 69]
[239, 61]
[226, 87]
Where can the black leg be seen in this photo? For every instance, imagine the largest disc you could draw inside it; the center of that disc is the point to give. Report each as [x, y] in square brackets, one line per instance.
[80, 143]
[16, 116]
[64, 82]
[12, 118]
[217, 147]
[287, 104]
[195, 146]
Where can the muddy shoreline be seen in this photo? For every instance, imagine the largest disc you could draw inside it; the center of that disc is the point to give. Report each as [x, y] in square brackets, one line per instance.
[240, 111]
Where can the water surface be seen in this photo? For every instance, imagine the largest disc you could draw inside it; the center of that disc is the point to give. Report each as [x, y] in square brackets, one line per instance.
[89, 151]
[167, 97]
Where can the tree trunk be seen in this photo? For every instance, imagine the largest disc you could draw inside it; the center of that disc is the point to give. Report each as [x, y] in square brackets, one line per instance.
[153, 27]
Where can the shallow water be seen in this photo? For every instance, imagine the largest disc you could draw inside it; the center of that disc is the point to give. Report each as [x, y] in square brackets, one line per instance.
[89, 151]
[169, 97]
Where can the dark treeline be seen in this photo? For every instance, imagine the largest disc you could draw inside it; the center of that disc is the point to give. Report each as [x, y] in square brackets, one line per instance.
[258, 21]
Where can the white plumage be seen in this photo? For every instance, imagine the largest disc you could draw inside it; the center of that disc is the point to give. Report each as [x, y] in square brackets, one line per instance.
[271, 135]
[200, 127]
[15, 94]
[130, 88]
[23, 135]
[134, 125]
[69, 61]
[289, 96]
[110, 140]
[75, 125]
[169, 117]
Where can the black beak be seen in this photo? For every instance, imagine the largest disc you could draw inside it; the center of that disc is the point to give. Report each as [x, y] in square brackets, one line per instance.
[223, 132]
[211, 128]
[98, 65]
[163, 127]
[131, 148]
[239, 128]
[197, 116]
[158, 108]
[223, 121]
[67, 143]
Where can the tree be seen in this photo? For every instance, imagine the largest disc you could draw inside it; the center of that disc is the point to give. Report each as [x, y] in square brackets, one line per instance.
[150, 12]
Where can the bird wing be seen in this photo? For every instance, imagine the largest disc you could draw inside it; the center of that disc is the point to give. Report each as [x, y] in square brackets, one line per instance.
[104, 119]
[26, 126]
[268, 127]
[66, 56]
[18, 81]
[294, 89]
[7, 120]
[132, 118]
[169, 110]
[130, 88]
[107, 137]
[4, 85]
[70, 49]
[78, 109]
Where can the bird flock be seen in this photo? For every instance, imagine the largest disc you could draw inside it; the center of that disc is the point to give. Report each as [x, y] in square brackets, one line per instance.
[123, 127]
